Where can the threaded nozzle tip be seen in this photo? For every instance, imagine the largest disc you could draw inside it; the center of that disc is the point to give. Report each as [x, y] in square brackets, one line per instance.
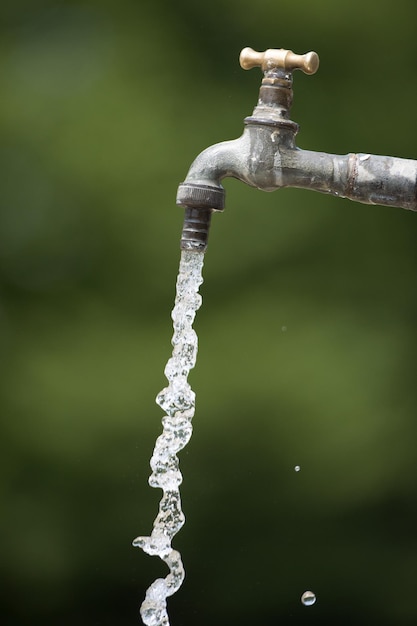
[195, 229]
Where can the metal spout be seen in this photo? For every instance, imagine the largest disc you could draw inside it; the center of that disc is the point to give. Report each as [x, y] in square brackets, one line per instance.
[266, 156]
[195, 230]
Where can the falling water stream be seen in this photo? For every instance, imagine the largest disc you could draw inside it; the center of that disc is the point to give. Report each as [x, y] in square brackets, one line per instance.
[178, 402]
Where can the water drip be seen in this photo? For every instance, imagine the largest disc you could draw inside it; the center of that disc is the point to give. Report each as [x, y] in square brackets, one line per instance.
[178, 402]
[308, 598]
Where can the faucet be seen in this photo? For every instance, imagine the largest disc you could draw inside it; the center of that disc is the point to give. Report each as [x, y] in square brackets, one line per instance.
[266, 156]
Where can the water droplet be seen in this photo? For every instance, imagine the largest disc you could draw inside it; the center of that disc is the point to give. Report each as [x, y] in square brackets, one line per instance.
[297, 468]
[308, 598]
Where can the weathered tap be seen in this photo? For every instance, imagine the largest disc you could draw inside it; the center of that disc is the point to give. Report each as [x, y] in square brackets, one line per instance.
[266, 156]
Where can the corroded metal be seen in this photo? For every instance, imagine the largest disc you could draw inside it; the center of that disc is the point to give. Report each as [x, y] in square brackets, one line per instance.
[266, 156]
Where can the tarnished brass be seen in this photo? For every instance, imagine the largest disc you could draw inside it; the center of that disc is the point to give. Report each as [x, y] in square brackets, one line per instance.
[280, 58]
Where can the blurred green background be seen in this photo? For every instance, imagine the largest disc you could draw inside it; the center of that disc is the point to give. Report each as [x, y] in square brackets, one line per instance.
[307, 331]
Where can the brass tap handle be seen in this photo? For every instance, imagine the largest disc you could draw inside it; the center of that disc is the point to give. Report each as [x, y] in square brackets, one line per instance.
[284, 59]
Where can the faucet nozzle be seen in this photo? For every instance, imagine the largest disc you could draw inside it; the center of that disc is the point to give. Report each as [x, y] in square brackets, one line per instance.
[199, 201]
[195, 230]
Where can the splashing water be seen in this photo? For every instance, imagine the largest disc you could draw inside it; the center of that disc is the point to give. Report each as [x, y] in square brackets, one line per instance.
[178, 402]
